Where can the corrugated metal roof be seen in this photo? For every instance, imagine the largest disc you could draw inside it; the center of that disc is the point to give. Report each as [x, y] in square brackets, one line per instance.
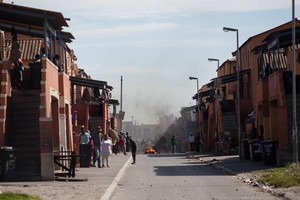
[28, 47]
[275, 59]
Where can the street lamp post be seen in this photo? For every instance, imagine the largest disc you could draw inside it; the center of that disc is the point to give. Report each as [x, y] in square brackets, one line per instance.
[198, 99]
[295, 131]
[226, 29]
[216, 101]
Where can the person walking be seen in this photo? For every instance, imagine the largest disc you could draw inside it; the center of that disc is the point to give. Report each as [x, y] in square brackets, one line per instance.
[191, 140]
[133, 149]
[97, 136]
[106, 150]
[173, 143]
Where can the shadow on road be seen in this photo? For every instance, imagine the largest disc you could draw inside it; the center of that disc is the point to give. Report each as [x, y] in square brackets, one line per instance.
[188, 170]
[196, 165]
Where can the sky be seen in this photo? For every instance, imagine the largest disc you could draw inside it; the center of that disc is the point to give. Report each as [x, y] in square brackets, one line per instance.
[157, 45]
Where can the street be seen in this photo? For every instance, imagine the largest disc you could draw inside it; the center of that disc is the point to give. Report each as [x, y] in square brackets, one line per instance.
[177, 177]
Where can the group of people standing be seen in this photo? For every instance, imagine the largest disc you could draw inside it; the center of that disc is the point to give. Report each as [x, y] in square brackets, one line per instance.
[97, 148]
[195, 142]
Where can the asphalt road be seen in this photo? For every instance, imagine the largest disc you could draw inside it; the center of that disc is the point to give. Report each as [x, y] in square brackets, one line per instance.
[158, 177]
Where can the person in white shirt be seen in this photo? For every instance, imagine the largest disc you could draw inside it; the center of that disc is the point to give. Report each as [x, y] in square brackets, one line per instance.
[84, 137]
[106, 150]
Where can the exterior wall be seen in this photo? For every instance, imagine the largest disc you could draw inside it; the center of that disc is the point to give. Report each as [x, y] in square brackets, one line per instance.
[268, 95]
[4, 96]
[56, 125]
[65, 128]
[55, 128]
[82, 117]
[46, 125]
[211, 127]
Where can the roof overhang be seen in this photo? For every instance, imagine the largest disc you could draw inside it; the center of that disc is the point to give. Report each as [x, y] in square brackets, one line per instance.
[224, 79]
[113, 102]
[89, 83]
[278, 39]
[31, 16]
[31, 21]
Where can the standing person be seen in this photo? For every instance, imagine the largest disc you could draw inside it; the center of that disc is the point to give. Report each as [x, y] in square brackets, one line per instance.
[262, 135]
[127, 142]
[19, 67]
[84, 137]
[35, 72]
[197, 142]
[84, 147]
[106, 150]
[92, 145]
[202, 141]
[191, 140]
[122, 143]
[97, 146]
[173, 143]
[133, 149]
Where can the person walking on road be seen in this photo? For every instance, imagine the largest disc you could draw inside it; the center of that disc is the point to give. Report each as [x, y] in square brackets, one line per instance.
[106, 150]
[173, 143]
[97, 147]
[133, 149]
[191, 140]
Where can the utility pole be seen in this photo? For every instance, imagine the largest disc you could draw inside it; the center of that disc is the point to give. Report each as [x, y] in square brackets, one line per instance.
[121, 98]
[121, 114]
[295, 131]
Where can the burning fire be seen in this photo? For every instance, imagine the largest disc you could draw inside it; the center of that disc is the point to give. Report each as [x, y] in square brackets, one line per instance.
[150, 150]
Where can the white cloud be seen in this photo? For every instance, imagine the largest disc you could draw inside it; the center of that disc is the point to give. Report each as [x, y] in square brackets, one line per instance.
[122, 30]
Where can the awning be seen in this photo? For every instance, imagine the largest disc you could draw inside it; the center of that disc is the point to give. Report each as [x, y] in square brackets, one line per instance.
[233, 77]
[89, 83]
[113, 102]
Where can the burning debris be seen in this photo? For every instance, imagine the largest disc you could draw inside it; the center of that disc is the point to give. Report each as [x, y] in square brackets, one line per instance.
[150, 150]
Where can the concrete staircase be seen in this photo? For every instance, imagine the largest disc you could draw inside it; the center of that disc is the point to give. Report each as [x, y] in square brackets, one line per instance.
[24, 134]
[229, 121]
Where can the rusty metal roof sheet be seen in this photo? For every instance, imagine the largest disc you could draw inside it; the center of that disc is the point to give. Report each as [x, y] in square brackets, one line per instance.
[28, 47]
[275, 59]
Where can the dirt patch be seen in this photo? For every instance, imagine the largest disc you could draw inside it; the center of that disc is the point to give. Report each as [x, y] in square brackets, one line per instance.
[57, 192]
